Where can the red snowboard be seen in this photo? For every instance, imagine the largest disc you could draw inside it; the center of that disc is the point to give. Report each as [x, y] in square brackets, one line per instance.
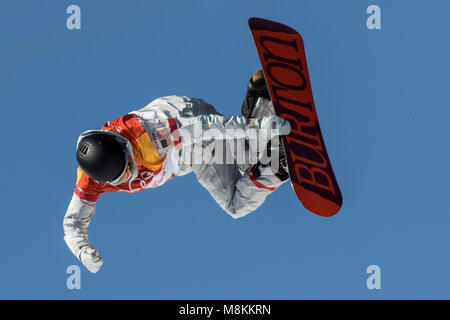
[282, 56]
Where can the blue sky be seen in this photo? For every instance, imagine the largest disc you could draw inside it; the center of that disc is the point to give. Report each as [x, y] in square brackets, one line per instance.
[382, 100]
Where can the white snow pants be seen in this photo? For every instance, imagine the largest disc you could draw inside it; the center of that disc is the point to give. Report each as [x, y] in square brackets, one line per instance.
[230, 183]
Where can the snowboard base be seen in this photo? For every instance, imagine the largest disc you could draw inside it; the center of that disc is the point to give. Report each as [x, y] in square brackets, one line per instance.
[282, 55]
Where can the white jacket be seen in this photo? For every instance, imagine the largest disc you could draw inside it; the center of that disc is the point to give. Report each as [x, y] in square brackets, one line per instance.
[158, 123]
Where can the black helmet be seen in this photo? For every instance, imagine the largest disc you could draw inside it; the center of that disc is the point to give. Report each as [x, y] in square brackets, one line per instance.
[102, 156]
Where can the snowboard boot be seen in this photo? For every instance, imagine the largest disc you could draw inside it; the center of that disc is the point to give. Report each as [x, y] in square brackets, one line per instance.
[256, 88]
[282, 173]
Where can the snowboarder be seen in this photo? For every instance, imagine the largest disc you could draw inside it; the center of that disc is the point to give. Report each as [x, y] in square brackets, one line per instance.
[173, 136]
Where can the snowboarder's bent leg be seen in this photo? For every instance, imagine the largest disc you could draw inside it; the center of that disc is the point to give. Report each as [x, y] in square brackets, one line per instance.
[238, 193]
[252, 189]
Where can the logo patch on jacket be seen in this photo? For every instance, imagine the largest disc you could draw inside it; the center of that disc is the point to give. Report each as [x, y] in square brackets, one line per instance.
[164, 137]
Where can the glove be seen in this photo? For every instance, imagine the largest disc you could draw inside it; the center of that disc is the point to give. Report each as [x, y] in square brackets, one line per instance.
[273, 126]
[90, 258]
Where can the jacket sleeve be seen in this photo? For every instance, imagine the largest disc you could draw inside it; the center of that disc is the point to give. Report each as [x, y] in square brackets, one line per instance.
[205, 127]
[76, 221]
[197, 121]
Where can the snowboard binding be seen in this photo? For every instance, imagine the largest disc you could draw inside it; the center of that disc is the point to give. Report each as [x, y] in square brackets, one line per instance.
[256, 88]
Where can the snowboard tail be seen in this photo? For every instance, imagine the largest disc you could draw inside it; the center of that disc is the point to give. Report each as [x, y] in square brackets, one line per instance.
[283, 59]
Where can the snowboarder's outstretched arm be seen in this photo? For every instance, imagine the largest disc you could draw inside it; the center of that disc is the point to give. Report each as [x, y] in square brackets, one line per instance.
[195, 117]
[235, 127]
[76, 221]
